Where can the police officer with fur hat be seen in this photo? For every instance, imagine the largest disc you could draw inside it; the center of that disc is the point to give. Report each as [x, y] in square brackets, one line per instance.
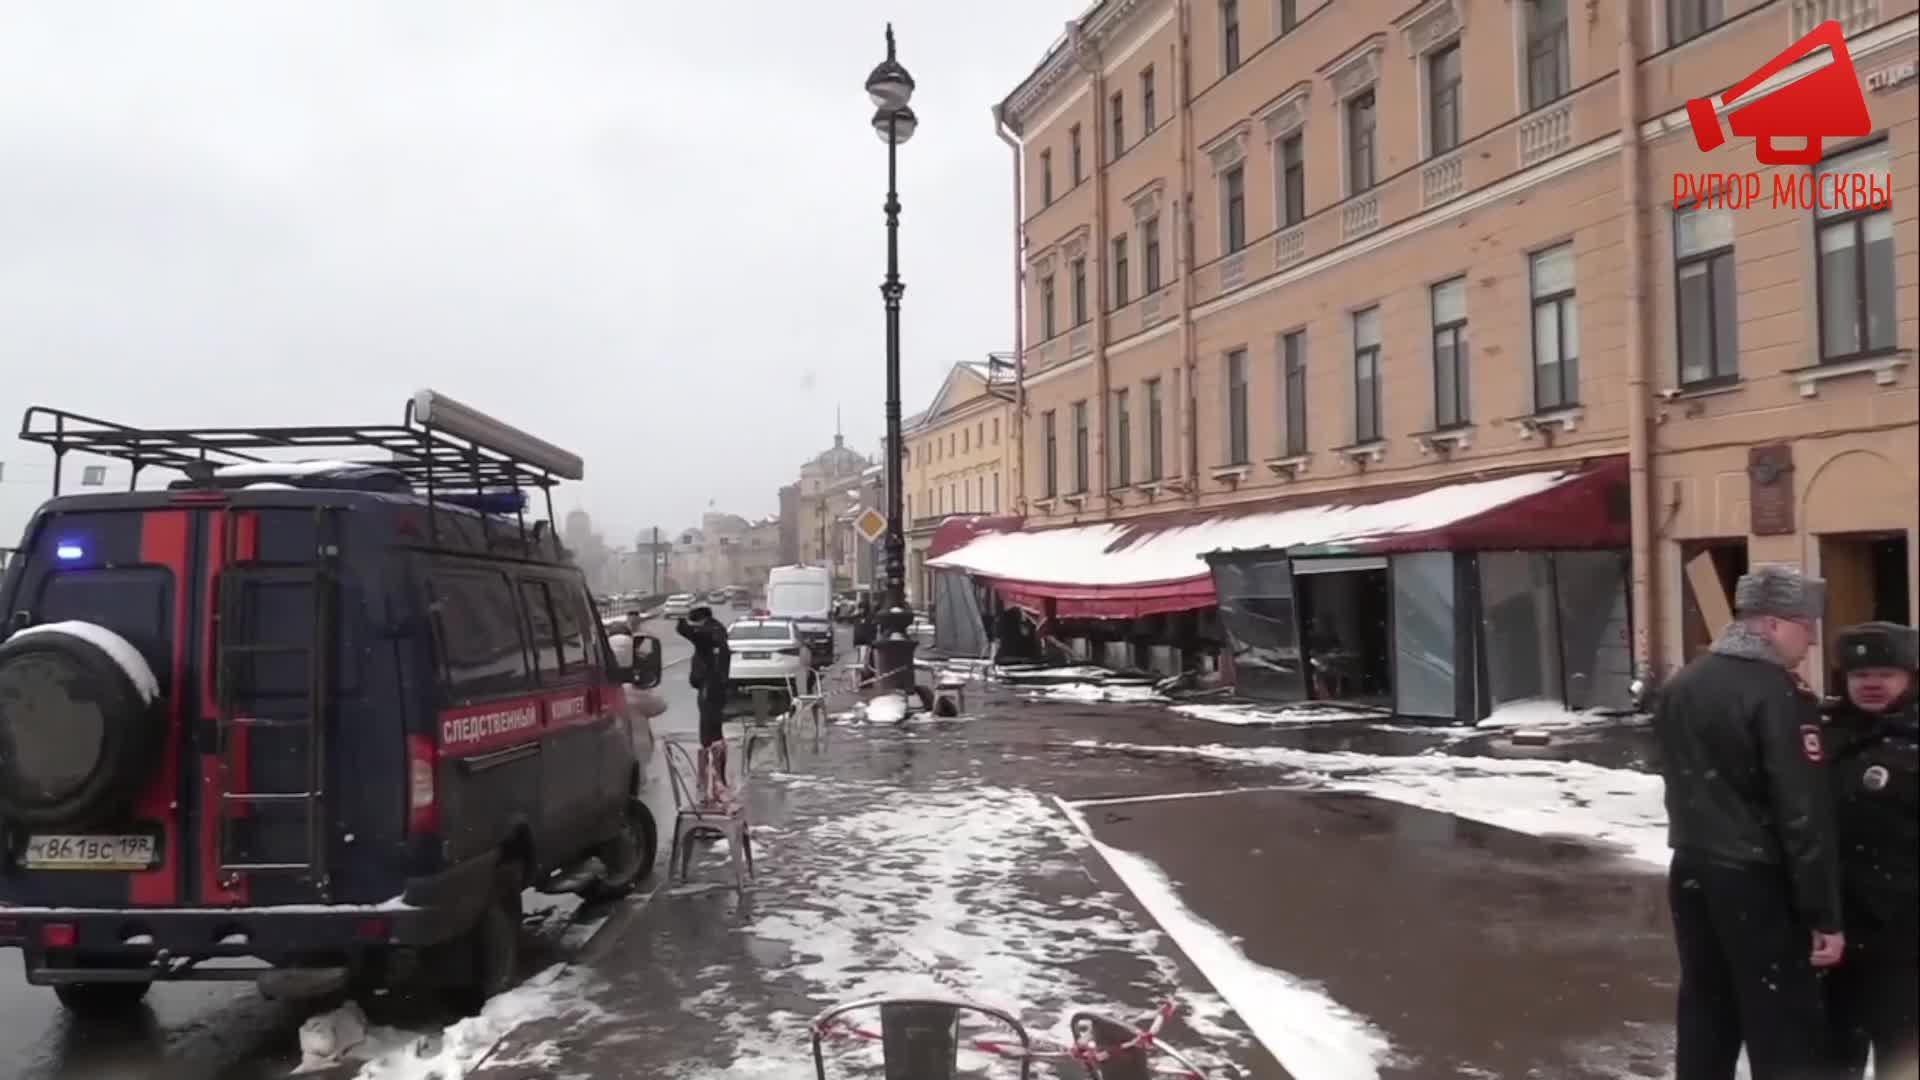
[1754, 885]
[1873, 736]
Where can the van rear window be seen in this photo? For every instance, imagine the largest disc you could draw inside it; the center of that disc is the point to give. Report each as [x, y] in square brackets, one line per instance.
[134, 602]
[476, 628]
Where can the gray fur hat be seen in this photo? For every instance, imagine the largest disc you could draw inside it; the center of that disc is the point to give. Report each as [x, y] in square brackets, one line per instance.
[1779, 590]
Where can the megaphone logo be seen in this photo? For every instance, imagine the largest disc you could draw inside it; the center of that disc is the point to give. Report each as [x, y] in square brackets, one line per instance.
[1826, 104]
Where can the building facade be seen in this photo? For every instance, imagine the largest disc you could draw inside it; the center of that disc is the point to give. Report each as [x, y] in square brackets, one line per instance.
[1308, 250]
[957, 453]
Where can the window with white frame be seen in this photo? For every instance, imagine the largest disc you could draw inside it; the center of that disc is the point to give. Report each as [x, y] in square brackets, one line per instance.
[1121, 272]
[1858, 316]
[1082, 479]
[1046, 177]
[1233, 208]
[1290, 171]
[1050, 450]
[1150, 254]
[1075, 162]
[1688, 19]
[1451, 374]
[1155, 433]
[1121, 451]
[1149, 103]
[1547, 54]
[1293, 382]
[1117, 119]
[1443, 98]
[1286, 15]
[1048, 324]
[1236, 382]
[1078, 283]
[1229, 36]
[1366, 376]
[1360, 149]
[1556, 329]
[1707, 333]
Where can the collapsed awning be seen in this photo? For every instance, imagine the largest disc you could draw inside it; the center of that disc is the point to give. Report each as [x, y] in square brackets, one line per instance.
[1150, 566]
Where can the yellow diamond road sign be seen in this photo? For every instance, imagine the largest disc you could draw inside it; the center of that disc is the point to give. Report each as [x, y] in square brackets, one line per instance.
[871, 524]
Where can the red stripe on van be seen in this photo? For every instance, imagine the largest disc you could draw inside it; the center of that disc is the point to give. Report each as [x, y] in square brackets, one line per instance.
[163, 542]
[212, 781]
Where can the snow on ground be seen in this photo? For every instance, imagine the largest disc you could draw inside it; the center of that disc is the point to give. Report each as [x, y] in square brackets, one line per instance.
[1537, 714]
[1279, 716]
[1095, 692]
[933, 891]
[1015, 673]
[1303, 1027]
[1616, 807]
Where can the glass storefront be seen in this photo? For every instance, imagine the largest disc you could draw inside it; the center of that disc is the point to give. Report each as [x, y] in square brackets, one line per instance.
[1255, 595]
[1424, 640]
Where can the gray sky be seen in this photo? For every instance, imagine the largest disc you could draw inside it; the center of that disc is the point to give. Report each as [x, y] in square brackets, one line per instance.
[648, 232]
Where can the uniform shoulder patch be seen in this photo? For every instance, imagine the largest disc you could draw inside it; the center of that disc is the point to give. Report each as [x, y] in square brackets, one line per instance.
[1875, 778]
[1810, 743]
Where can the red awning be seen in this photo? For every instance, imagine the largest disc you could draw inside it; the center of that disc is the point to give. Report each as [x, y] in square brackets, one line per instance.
[1135, 601]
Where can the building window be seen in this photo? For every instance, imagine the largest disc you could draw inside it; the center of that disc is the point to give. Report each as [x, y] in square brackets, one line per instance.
[1443, 99]
[1290, 165]
[1147, 103]
[1048, 326]
[1360, 174]
[1546, 51]
[1451, 375]
[1556, 330]
[1080, 477]
[1050, 462]
[1120, 272]
[996, 493]
[1366, 375]
[1288, 15]
[1117, 109]
[1229, 36]
[1079, 298]
[1153, 429]
[1688, 19]
[1150, 253]
[1122, 441]
[1703, 294]
[1857, 312]
[996, 431]
[1046, 178]
[1073, 155]
[1237, 407]
[966, 440]
[1293, 382]
[1233, 208]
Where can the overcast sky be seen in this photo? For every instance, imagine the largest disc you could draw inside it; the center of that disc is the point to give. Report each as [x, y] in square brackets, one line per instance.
[648, 232]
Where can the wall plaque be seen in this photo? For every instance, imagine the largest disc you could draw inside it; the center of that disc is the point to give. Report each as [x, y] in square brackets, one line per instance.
[1770, 489]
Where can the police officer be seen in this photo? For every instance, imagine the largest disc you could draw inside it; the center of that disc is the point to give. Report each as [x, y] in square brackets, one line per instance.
[709, 673]
[1873, 737]
[1755, 879]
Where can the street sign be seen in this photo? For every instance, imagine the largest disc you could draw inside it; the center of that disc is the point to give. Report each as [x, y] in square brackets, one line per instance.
[871, 524]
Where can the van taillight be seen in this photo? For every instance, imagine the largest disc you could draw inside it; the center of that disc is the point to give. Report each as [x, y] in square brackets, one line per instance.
[423, 805]
[788, 652]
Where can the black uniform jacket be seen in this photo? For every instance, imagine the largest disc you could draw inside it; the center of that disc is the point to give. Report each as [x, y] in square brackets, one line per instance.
[1742, 755]
[1876, 786]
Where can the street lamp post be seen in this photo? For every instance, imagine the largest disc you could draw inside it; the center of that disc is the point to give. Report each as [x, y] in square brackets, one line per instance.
[891, 87]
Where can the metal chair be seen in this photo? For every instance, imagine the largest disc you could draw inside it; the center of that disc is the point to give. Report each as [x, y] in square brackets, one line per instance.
[810, 703]
[763, 726]
[703, 807]
[1116, 1050]
[919, 1037]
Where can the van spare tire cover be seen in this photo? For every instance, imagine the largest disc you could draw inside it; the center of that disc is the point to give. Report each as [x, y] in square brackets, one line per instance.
[77, 724]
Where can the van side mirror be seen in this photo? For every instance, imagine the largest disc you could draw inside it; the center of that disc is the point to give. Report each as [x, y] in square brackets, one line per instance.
[645, 669]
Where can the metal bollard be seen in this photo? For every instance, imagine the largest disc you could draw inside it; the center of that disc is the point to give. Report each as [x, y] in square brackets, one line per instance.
[920, 1041]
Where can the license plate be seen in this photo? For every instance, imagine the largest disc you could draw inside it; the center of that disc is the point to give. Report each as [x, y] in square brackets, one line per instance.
[65, 852]
[756, 656]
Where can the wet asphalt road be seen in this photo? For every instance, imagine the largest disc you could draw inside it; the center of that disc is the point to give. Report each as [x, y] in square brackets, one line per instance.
[200, 1031]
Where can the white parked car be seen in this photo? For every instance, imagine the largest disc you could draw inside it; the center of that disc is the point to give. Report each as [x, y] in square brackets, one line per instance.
[769, 653]
[677, 606]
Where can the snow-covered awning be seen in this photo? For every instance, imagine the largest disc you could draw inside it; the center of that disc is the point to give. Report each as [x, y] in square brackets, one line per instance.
[1148, 566]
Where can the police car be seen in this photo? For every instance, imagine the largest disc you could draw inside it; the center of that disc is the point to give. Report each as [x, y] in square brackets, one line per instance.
[328, 715]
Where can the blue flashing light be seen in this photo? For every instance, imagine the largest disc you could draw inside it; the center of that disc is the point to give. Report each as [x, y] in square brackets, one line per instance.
[69, 552]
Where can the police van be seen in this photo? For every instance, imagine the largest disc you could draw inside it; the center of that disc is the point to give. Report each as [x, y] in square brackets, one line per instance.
[321, 714]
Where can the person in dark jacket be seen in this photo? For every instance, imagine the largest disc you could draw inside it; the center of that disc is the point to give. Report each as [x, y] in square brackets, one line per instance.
[1873, 997]
[709, 673]
[1755, 879]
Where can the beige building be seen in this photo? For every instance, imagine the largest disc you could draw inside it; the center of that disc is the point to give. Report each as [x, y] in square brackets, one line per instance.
[958, 450]
[1370, 247]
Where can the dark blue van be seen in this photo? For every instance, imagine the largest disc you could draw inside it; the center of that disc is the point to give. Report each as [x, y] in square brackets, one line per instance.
[314, 714]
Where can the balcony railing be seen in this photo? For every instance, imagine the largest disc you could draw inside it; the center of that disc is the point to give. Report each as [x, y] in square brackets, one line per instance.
[1546, 133]
[1290, 246]
[1233, 271]
[1360, 216]
[1853, 15]
[1442, 179]
[1080, 341]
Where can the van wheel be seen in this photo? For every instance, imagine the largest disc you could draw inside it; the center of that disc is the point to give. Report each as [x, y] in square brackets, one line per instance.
[629, 857]
[488, 954]
[101, 999]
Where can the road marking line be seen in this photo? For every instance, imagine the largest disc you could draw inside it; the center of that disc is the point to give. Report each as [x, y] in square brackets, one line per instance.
[1118, 800]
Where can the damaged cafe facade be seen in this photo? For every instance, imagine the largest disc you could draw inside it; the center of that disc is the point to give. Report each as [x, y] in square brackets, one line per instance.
[1438, 602]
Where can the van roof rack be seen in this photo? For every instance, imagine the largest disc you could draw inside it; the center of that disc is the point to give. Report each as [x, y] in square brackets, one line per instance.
[441, 445]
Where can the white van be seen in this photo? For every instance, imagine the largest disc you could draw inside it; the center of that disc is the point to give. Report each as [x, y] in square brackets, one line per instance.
[804, 594]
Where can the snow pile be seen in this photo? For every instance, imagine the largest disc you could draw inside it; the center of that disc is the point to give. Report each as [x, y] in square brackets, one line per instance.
[344, 1035]
[887, 709]
[313, 467]
[1096, 692]
[1019, 673]
[932, 892]
[117, 648]
[1565, 799]
[1278, 716]
[1540, 714]
[1304, 1028]
[1123, 554]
